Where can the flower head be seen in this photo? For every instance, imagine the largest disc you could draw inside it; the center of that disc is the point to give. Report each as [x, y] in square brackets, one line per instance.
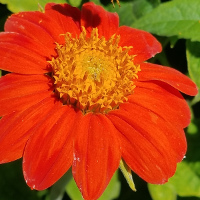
[80, 94]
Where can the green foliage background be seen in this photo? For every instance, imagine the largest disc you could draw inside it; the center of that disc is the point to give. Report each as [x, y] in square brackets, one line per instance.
[176, 24]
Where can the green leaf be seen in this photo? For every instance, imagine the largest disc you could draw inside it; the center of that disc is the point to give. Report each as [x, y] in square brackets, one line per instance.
[193, 153]
[75, 3]
[130, 11]
[24, 5]
[193, 129]
[143, 7]
[73, 191]
[186, 181]
[179, 18]
[112, 191]
[196, 99]
[125, 11]
[58, 189]
[162, 192]
[193, 60]
[13, 185]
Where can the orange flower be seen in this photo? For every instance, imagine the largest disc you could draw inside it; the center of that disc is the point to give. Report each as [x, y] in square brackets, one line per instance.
[80, 94]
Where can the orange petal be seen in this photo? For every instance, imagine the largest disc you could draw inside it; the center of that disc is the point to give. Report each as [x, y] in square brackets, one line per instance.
[96, 154]
[168, 75]
[49, 152]
[150, 145]
[95, 16]
[37, 26]
[159, 98]
[16, 129]
[144, 44]
[66, 16]
[18, 92]
[20, 54]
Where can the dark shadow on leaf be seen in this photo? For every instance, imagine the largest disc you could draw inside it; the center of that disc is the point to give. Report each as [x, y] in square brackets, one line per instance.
[193, 139]
[193, 48]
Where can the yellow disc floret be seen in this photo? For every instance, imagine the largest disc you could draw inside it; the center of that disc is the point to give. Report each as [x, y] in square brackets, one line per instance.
[92, 73]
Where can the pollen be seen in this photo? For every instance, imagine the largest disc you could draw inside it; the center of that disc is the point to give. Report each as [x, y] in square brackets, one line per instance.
[93, 74]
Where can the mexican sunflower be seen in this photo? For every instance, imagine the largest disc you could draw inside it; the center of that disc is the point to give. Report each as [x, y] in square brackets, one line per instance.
[80, 94]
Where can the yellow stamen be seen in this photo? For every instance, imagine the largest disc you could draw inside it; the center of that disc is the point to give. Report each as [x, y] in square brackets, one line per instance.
[93, 74]
[114, 4]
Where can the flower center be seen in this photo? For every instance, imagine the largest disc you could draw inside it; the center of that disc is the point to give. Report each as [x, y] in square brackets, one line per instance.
[93, 74]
